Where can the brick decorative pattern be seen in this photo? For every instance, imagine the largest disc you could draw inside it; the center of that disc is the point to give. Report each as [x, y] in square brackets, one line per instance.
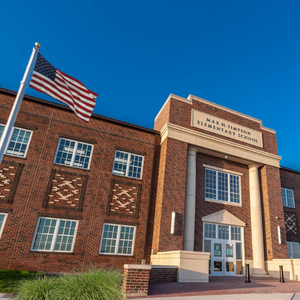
[124, 198]
[65, 190]
[290, 223]
[9, 176]
[162, 275]
[291, 180]
[135, 282]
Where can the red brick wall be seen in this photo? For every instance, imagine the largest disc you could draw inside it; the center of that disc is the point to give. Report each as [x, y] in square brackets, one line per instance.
[163, 117]
[135, 282]
[180, 114]
[272, 208]
[52, 122]
[170, 196]
[291, 180]
[162, 275]
[204, 208]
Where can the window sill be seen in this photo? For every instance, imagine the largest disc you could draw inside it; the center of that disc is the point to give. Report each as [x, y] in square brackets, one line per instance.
[123, 176]
[15, 156]
[114, 255]
[51, 252]
[72, 168]
[223, 202]
[289, 207]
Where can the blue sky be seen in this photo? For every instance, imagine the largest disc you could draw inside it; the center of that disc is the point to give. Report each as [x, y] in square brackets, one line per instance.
[244, 55]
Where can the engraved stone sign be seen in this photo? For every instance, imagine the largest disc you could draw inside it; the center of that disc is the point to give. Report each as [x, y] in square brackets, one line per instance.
[223, 127]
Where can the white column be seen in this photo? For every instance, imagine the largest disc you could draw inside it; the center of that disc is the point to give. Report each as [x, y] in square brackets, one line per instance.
[190, 200]
[256, 222]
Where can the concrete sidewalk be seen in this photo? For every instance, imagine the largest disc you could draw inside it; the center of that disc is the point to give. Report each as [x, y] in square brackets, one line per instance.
[6, 296]
[281, 296]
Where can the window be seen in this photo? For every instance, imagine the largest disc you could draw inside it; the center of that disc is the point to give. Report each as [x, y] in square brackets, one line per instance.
[73, 153]
[117, 239]
[223, 232]
[2, 221]
[210, 231]
[19, 141]
[288, 197]
[222, 186]
[54, 235]
[236, 233]
[293, 250]
[127, 164]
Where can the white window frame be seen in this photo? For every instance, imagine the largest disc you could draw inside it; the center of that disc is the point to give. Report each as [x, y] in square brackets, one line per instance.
[117, 240]
[285, 189]
[3, 224]
[217, 170]
[128, 164]
[74, 153]
[291, 247]
[54, 235]
[12, 131]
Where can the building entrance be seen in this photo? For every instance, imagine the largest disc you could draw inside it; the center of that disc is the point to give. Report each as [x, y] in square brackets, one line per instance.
[224, 243]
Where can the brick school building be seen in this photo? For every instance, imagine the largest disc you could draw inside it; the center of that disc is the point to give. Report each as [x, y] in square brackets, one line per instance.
[203, 189]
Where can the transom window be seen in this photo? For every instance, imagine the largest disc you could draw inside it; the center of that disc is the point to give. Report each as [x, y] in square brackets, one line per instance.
[117, 239]
[2, 221]
[128, 164]
[293, 250]
[73, 153]
[54, 235]
[236, 233]
[210, 230]
[288, 197]
[19, 141]
[223, 232]
[222, 186]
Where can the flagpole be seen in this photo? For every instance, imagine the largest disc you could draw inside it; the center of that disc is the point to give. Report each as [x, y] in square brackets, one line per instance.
[14, 112]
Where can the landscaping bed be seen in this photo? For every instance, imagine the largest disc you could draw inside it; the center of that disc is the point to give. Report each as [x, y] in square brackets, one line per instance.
[92, 284]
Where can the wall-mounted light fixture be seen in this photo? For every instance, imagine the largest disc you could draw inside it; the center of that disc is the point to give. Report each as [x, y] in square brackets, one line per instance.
[173, 222]
[279, 235]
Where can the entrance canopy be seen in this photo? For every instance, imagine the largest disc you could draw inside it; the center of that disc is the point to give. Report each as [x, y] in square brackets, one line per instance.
[223, 217]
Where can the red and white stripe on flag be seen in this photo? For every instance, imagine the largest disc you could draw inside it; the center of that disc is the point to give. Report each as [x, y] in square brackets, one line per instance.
[64, 88]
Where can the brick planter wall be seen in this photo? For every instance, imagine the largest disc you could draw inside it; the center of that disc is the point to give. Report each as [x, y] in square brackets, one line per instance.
[136, 280]
[161, 274]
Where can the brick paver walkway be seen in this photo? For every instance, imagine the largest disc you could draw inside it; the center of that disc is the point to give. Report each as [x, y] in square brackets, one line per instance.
[224, 285]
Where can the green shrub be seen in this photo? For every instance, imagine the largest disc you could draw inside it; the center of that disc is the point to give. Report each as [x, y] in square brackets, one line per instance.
[90, 285]
[36, 289]
[9, 279]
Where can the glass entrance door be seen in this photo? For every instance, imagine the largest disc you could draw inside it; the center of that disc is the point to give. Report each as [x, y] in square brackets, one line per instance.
[224, 244]
[223, 258]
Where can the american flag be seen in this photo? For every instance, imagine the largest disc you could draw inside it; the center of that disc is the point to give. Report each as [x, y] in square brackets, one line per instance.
[64, 88]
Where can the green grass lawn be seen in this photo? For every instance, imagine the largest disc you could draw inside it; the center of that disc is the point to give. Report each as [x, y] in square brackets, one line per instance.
[9, 280]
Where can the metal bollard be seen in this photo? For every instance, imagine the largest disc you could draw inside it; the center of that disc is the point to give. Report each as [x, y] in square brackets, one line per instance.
[247, 273]
[281, 274]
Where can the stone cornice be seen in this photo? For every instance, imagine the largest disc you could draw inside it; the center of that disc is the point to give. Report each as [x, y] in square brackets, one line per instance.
[217, 144]
[191, 99]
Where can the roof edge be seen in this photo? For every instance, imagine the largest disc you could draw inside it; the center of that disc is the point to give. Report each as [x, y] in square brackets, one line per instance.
[291, 170]
[96, 116]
